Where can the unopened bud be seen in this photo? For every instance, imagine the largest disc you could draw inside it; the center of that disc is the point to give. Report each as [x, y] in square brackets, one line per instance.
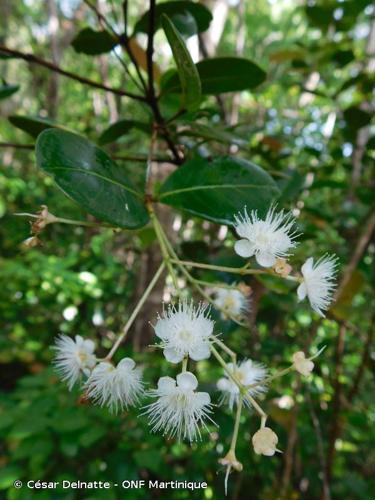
[282, 267]
[32, 242]
[301, 364]
[244, 289]
[265, 441]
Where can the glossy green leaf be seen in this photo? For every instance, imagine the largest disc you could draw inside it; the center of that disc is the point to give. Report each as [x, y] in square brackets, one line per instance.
[217, 190]
[120, 128]
[223, 74]
[91, 42]
[8, 90]
[187, 72]
[188, 17]
[87, 175]
[32, 125]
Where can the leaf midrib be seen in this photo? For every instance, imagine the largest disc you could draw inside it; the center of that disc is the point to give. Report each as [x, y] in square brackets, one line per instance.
[88, 172]
[214, 186]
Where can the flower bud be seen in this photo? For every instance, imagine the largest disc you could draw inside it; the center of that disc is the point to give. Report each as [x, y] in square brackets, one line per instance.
[282, 267]
[31, 242]
[301, 364]
[265, 441]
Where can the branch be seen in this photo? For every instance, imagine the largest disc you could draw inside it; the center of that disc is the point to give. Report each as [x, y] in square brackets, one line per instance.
[73, 76]
[319, 437]
[16, 146]
[362, 243]
[151, 97]
[150, 50]
[363, 363]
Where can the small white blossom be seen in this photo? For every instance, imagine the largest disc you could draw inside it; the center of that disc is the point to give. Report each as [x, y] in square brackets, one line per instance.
[179, 410]
[318, 282]
[231, 302]
[247, 373]
[115, 386]
[185, 331]
[301, 364]
[265, 442]
[73, 357]
[267, 238]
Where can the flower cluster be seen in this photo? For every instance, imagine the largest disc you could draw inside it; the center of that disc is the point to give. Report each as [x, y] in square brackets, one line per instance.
[186, 334]
[116, 387]
[270, 239]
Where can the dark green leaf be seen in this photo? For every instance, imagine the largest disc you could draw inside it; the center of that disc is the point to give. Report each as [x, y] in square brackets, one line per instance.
[91, 42]
[88, 176]
[7, 90]
[357, 118]
[217, 190]
[188, 17]
[120, 128]
[32, 125]
[223, 74]
[187, 72]
[291, 186]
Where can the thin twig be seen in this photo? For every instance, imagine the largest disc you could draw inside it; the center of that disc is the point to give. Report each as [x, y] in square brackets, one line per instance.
[73, 76]
[16, 146]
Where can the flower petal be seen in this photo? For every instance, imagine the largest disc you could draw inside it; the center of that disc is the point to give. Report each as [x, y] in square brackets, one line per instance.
[244, 248]
[89, 345]
[302, 291]
[265, 259]
[166, 384]
[307, 266]
[172, 355]
[126, 363]
[187, 381]
[202, 351]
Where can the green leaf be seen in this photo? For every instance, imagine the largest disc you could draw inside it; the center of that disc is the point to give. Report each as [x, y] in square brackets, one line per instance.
[187, 72]
[223, 74]
[8, 90]
[356, 117]
[211, 133]
[120, 128]
[32, 125]
[188, 17]
[217, 190]
[91, 42]
[87, 175]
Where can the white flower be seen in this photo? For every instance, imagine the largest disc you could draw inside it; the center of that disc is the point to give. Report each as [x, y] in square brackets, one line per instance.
[318, 282]
[231, 302]
[185, 330]
[301, 364]
[116, 387]
[267, 239]
[179, 411]
[73, 357]
[265, 441]
[247, 373]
